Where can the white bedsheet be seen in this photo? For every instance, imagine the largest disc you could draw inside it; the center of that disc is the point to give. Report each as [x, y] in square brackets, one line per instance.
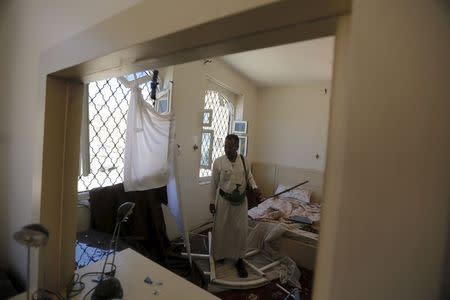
[282, 208]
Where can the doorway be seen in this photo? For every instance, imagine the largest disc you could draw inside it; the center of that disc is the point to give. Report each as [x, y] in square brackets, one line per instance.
[183, 46]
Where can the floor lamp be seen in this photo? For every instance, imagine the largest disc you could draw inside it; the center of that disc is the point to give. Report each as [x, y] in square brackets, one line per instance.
[33, 235]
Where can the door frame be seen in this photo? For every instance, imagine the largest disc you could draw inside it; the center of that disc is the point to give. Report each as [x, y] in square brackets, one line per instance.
[65, 67]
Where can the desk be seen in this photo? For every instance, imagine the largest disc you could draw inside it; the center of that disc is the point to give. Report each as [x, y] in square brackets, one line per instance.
[132, 268]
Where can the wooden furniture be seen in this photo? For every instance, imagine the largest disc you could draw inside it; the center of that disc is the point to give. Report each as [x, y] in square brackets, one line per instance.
[133, 268]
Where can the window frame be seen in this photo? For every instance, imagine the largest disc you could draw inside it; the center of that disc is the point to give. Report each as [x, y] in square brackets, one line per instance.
[230, 99]
[125, 85]
[210, 150]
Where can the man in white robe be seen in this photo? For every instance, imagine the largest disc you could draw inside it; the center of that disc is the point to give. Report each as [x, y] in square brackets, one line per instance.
[229, 204]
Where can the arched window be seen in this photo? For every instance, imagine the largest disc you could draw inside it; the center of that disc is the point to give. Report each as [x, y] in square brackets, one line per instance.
[217, 116]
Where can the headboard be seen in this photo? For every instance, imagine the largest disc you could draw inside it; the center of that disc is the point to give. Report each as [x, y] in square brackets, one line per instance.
[268, 176]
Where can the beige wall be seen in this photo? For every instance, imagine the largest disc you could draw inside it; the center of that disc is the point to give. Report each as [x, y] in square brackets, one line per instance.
[190, 82]
[292, 125]
[27, 28]
[386, 216]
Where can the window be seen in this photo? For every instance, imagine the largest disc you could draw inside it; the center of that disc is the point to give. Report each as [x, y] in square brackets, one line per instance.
[215, 129]
[108, 104]
[207, 147]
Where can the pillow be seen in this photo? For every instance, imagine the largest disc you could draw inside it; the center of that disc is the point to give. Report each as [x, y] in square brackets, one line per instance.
[280, 188]
[299, 193]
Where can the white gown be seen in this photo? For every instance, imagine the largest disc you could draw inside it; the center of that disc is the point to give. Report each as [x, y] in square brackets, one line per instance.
[230, 221]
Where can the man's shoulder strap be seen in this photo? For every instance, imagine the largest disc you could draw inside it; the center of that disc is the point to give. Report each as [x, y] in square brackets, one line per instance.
[245, 168]
[243, 162]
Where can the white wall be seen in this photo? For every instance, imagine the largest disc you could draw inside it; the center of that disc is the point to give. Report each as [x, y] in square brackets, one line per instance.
[190, 82]
[385, 229]
[292, 125]
[27, 28]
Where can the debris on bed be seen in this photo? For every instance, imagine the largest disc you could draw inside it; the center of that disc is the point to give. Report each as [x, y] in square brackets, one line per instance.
[293, 211]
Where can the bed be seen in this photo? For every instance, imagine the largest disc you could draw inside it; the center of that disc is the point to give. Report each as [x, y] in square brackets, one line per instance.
[299, 241]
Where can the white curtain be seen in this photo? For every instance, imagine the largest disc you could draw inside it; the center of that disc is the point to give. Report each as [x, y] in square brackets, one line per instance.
[147, 145]
[150, 160]
[85, 160]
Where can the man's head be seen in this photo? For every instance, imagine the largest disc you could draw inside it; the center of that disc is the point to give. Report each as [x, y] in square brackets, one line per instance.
[231, 146]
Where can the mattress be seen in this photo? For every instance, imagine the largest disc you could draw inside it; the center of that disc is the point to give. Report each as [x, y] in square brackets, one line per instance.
[278, 210]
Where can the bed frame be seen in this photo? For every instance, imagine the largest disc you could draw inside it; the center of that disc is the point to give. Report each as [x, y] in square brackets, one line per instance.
[268, 176]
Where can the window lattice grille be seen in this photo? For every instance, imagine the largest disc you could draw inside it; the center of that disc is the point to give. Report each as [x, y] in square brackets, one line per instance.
[108, 107]
[222, 111]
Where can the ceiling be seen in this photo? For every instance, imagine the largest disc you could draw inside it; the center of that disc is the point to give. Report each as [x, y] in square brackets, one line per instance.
[290, 64]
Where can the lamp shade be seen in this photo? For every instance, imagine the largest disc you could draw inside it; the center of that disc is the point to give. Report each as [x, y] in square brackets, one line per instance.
[124, 211]
[33, 235]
